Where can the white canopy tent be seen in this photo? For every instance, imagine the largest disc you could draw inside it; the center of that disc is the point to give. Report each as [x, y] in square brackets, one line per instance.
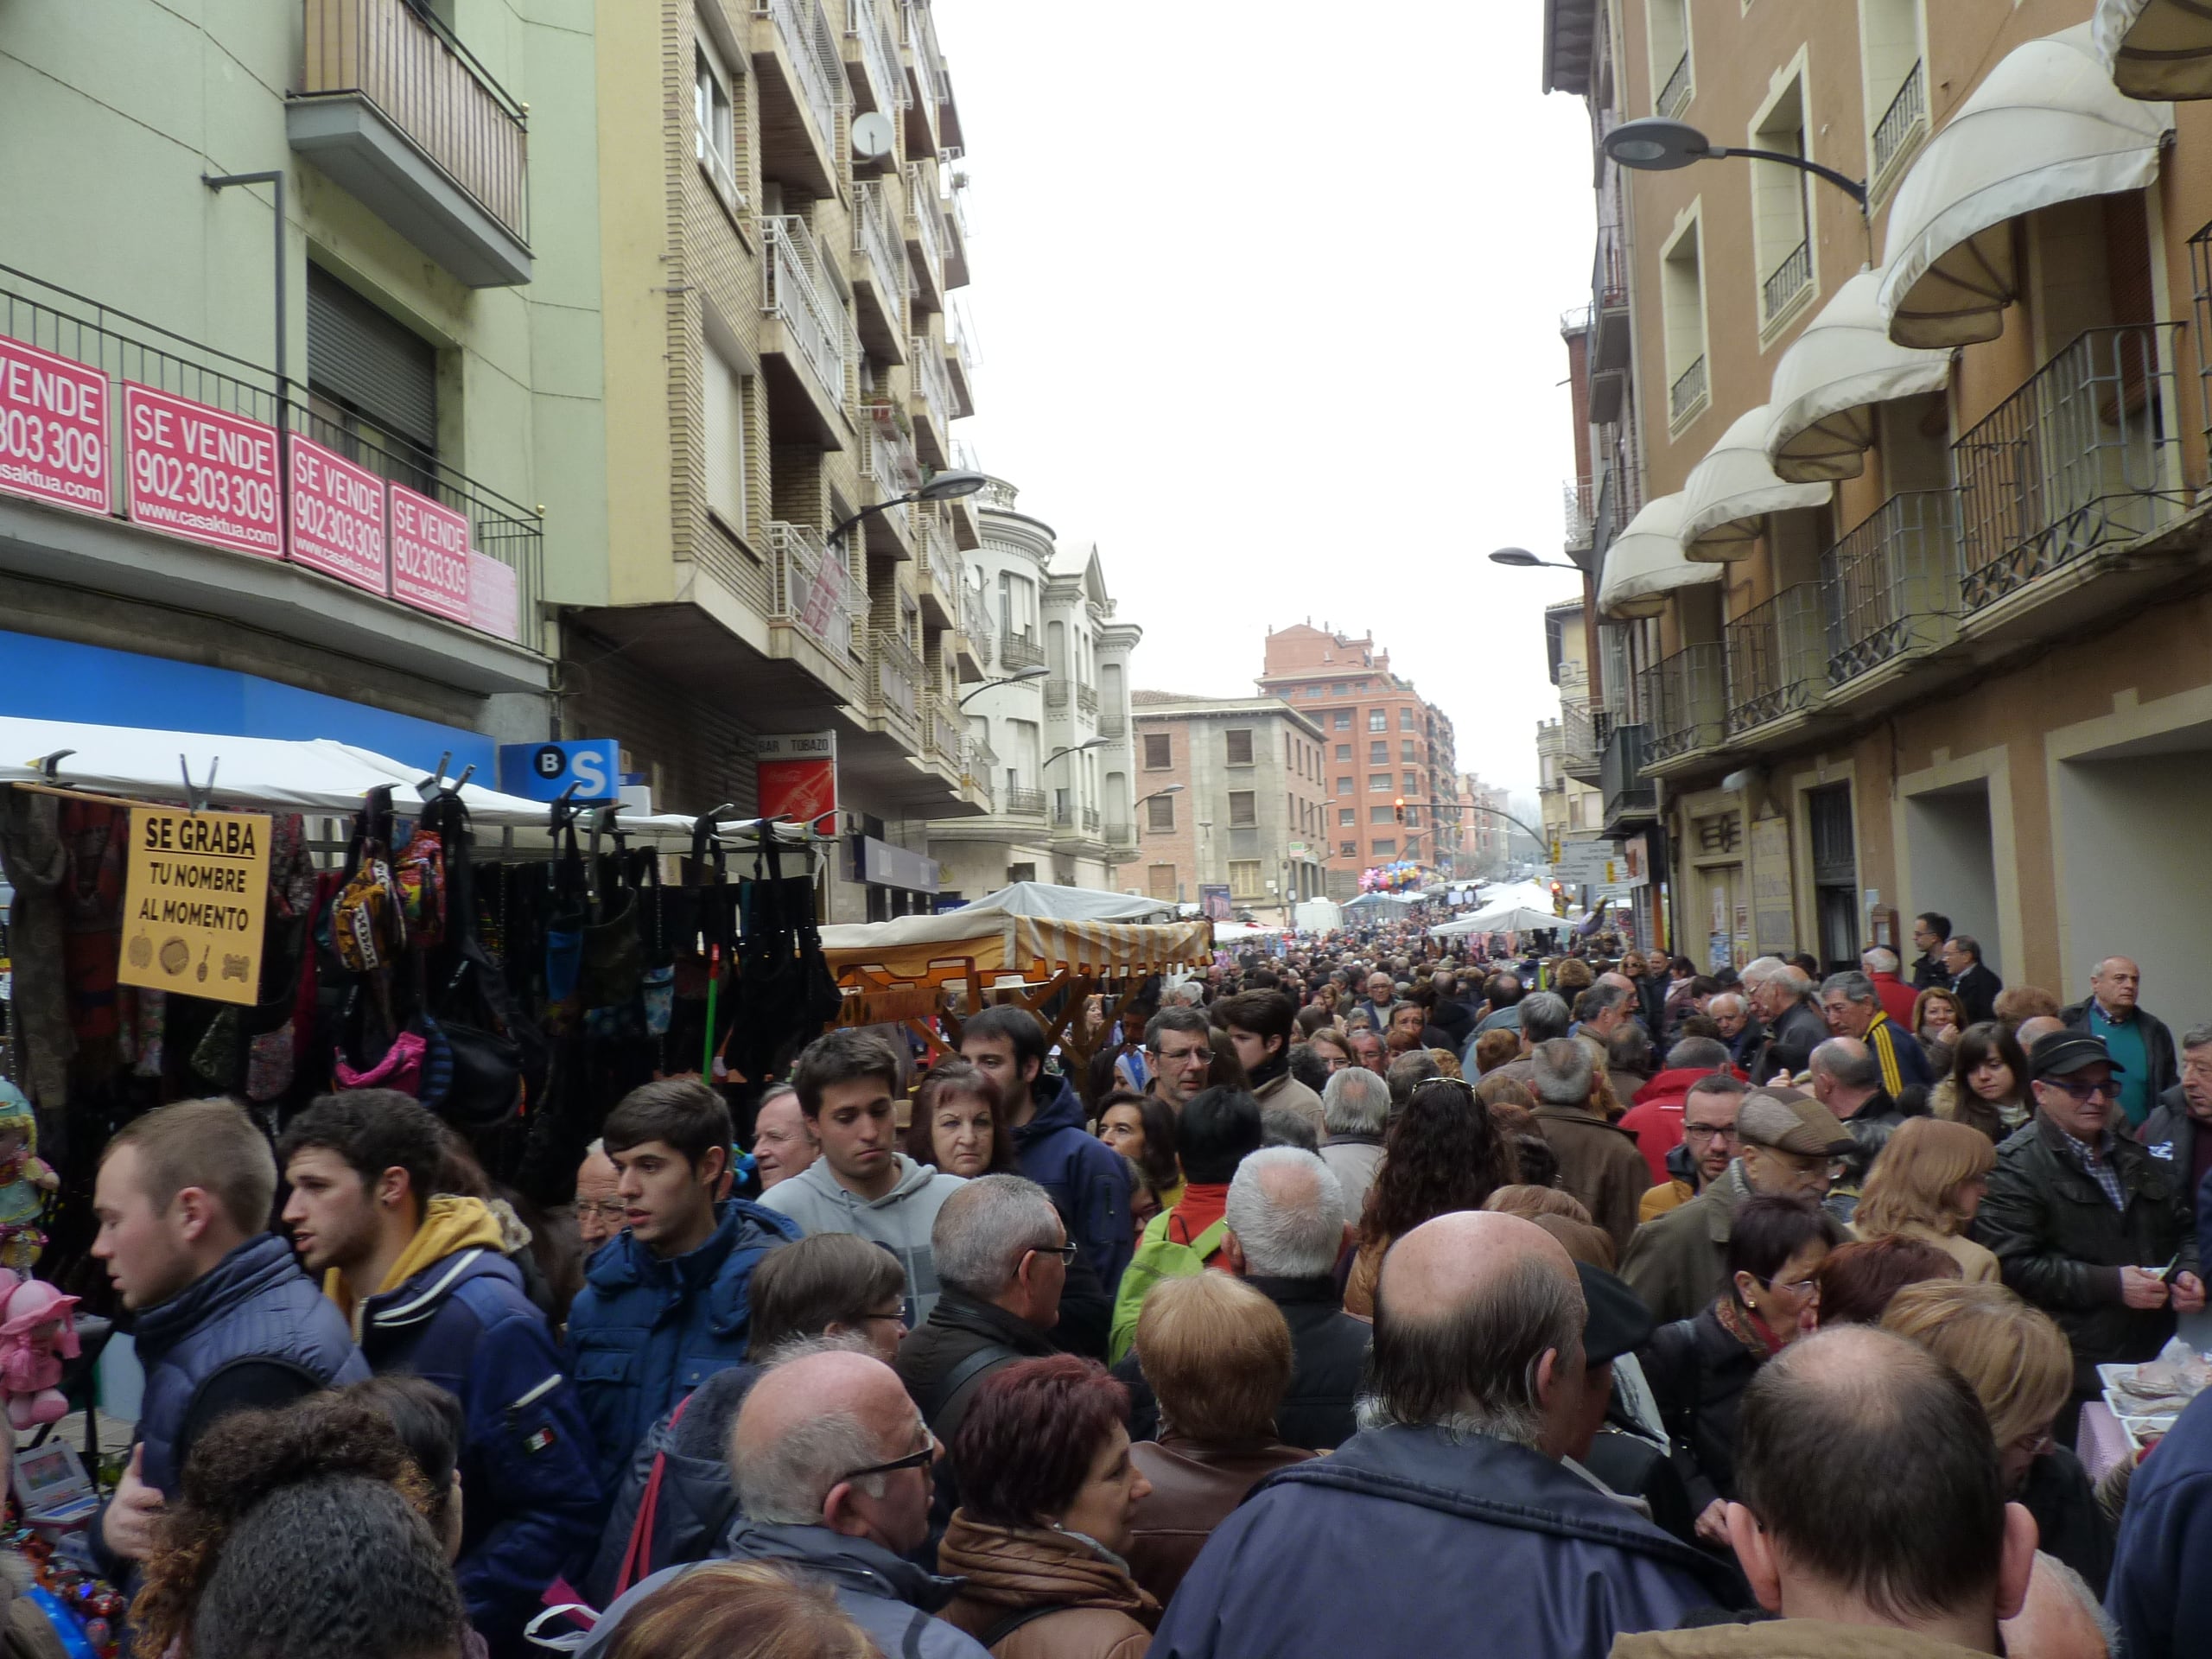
[1830, 381]
[317, 776]
[1503, 918]
[1727, 496]
[2046, 125]
[2156, 49]
[1645, 564]
[1074, 904]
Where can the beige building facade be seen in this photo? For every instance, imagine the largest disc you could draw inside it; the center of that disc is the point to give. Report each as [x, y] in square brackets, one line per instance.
[1898, 540]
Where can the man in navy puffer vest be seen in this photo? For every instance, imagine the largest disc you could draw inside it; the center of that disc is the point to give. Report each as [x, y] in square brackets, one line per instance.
[222, 1316]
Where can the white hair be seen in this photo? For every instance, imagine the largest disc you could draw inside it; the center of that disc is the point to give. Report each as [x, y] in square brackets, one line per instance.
[1560, 1069]
[1355, 1101]
[1286, 1208]
[985, 1228]
[1878, 961]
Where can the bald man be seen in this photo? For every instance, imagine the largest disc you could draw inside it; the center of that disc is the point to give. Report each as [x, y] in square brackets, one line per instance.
[1448, 1520]
[832, 1465]
[2144, 1058]
[599, 1212]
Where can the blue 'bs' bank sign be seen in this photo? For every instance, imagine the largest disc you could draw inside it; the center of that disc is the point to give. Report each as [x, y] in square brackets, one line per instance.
[540, 772]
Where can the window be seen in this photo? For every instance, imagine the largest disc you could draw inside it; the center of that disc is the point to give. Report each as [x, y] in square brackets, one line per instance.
[373, 381]
[1409, 720]
[1244, 878]
[1160, 815]
[716, 143]
[1240, 749]
[1344, 786]
[1348, 849]
[1379, 752]
[1672, 84]
[1378, 783]
[1681, 292]
[1386, 849]
[1378, 719]
[1338, 688]
[1381, 815]
[1896, 86]
[1160, 881]
[1343, 719]
[1347, 817]
[1156, 755]
[1413, 782]
[1781, 239]
[1244, 809]
[1343, 751]
[723, 437]
[1406, 749]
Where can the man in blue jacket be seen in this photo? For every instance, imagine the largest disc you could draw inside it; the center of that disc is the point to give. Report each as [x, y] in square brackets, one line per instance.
[1454, 1524]
[223, 1317]
[2160, 1593]
[666, 1302]
[425, 1280]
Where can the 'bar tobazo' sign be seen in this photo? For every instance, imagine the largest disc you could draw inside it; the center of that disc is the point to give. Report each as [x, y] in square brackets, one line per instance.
[338, 516]
[54, 444]
[429, 554]
[202, 473]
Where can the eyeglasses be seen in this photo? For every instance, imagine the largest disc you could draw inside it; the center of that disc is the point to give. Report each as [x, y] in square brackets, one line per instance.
[921, 1459]
[1799, 1287]
[1066, 1252]
[616, 1212]
[1707, 1131]
[2083, 1091]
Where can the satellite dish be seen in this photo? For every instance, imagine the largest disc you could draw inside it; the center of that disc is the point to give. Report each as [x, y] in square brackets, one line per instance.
[872, 135]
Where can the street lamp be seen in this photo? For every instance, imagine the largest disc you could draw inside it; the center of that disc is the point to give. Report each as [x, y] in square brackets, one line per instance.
[943, 486]
[1655, 144]
[1170, 789]
[1034, 672]
[1520, 559]
[1073, 748]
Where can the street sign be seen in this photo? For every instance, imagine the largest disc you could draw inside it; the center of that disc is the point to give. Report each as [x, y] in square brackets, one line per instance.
[797, 772]
[540, 772]
[1588, 863]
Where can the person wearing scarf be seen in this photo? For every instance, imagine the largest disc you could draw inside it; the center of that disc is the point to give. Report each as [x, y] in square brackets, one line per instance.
[1698, 1367]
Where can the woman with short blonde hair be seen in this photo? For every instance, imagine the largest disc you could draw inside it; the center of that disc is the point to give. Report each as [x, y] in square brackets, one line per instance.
[744, 1610]
[2018, 1364]
[1926, 1185]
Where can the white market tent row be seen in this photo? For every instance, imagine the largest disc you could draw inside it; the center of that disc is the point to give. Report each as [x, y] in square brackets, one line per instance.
[317, 776]
[1074, 904]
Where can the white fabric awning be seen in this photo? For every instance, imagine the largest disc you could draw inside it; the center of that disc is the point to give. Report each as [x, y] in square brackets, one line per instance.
[2046, 126]
[1644, 562]
[1730, 493]
[1074, 904]
[2156, 49]
[1828, 381]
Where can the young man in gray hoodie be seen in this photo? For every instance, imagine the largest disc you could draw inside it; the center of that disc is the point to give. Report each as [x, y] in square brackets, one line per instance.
[847, 1082]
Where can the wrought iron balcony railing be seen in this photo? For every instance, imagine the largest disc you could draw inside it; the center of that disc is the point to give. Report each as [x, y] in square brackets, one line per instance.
[1777, 658]
[1890, 587]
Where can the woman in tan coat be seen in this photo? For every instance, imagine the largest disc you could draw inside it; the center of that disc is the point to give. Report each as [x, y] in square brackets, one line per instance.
[1047, 1493]
[1926, 1185]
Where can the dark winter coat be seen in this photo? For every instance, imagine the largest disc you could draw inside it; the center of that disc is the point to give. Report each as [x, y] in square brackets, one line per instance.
[2157, 1043]
[1411, 1541]
[2161, 1589]
[958, 1328]
[1087, 1180]
[1698, 1372]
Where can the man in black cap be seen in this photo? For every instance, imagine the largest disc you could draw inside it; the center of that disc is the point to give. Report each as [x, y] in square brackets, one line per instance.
[2087, 1224]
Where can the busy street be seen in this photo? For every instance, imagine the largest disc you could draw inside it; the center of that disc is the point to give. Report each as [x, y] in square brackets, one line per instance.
[914, 829]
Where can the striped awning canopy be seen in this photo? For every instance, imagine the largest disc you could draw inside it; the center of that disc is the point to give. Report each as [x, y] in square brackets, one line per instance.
[963, 943]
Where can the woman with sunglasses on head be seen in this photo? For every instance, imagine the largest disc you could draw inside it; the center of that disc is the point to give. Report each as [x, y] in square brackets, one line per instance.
[1698, 1367]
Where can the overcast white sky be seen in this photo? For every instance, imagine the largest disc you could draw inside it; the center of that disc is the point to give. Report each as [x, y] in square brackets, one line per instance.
[1268, 299]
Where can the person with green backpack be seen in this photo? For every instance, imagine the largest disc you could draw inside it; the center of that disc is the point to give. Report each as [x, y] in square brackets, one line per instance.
[1220, 1128]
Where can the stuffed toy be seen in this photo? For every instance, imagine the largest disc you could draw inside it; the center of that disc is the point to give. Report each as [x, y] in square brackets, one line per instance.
[25, 1180]
[36, 1334]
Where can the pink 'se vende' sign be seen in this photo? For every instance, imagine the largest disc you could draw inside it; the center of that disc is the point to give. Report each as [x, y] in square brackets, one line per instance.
[54, 438]
[338, 516]
[202, 472]
[429, 554]
[494, 597]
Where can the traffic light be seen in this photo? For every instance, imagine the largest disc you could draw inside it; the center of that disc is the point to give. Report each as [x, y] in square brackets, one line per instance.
[1401, 809]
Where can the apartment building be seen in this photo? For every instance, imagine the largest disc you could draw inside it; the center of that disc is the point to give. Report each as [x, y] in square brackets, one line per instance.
[1393, 774]
[1233, 793]
[1050, 727]
[1898, 537]
[1486, 833]
[1566, 754]
[300, 423]
[780, 240]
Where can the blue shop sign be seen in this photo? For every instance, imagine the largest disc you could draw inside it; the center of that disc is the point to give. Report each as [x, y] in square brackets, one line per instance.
[543, 772]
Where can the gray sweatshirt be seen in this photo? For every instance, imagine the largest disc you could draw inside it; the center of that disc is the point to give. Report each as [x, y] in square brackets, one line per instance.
[899, 1221]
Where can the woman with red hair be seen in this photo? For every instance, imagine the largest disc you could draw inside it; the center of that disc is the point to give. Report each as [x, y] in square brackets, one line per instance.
[1047, 1493]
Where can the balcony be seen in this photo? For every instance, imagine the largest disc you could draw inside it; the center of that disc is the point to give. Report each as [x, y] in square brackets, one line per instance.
[976, 634]
[1687, 695]
[1084, 821]
[893, 472]
[1018, 650]
[932, 403]
[925, 77]
[1631, 800]
[1892, 585]
[1056, 695]
[1674, 97]
[810, 344]
[802, 80]
[1580, 498]
[1905, 120]
[879, 80]
[923, 226]
[1025, 803]
[881, 279]
[1610, 343]
[2086, 455]
[894, 681]
[1112, 725]
[1580, 750]
[1777, 659]
[952, 208]
[940, 590]
[1689, 393]
[397, 109]
[816, 597]
[1787, 284]
[1121, 838]
[959, 367]
[1086, 697]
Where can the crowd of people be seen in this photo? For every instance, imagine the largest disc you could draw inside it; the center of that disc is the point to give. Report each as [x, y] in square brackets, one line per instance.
[1358, 1299]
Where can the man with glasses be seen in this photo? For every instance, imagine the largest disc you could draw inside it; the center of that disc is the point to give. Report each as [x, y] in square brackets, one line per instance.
[2086, 1223]
[832, 1465]
[1179, 1047]
[1708, 1144]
